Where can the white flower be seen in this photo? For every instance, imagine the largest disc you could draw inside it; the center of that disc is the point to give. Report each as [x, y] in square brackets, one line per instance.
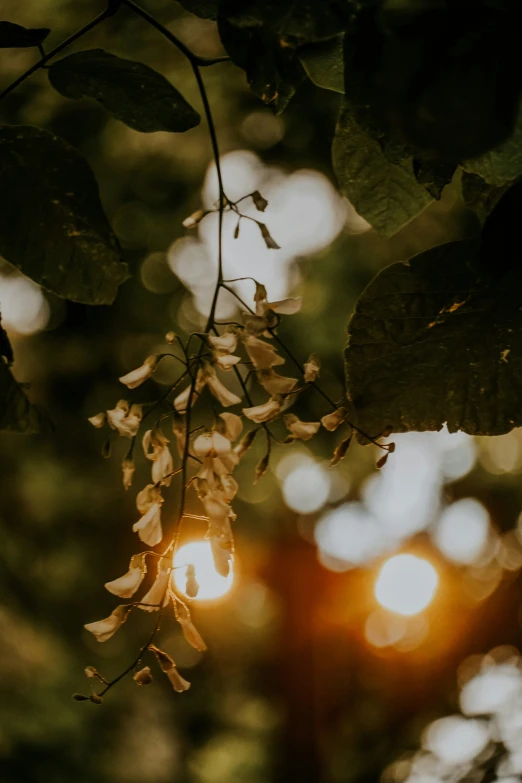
[332, 420]
[221, 554]
[192, 220]
[181, 401]
[140, 374]
[126, 585]
[220, 392]
[180, 433]
[263, 355]
[149, 526]
[275, 383]
[147, 497]
[128, 468]
[288, 306]
[258, 324]
[169, 668]
[190, 631]
[98, 420]
[104, 629]
[217, 509]
[177, 681]
[211, 444]
[233, 425]
[149, 502]
[158, 593]
[229, 487]
[227, 361]
[124, 419]
[311, 368]
[223, 343]
[302, 430]
[265, 412]
[156, 449]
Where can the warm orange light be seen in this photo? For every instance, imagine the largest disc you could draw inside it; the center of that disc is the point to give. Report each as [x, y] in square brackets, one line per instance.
[406, 584]
[211, 584]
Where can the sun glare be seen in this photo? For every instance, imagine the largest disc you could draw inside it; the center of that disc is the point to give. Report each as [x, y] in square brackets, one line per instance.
[406, 584]
[211, 584]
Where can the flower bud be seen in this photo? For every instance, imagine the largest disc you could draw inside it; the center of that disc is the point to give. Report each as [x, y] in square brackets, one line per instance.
[143, 677]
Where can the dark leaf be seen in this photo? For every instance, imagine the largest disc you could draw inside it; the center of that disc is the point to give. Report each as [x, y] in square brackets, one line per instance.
[301, 20]
[432, 174]
[14, 36]
[52, 224]
[438, 339]
[384, 193]
[502, 164]
[236, 230]
[449, 79]
[131, 92]
[479, 196]
[272, 68]
[206, 9]
[16, 412]
[324, 64]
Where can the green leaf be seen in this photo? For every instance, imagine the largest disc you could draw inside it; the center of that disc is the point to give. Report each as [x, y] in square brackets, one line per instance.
[52, 224]
[14, 36]
[502, 164]
[384, 193]
[438, 339]
[206, 9]
[324, 63]
[272, 69]
[131, 92]
[16, 412]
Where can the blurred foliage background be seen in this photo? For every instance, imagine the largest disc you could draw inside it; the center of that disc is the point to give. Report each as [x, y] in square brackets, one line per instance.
[307, 677]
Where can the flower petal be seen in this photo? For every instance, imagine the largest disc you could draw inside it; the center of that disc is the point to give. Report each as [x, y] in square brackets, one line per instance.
[140, 374]
[98, 420]
[275, 383]
[158, 593]
[233, 425]
[263, 355]
[104, 629]
[288, 306]
[303, 430]
[126, 585]
[332, 420]
[265, 412]
[220, 392]
[149, 526]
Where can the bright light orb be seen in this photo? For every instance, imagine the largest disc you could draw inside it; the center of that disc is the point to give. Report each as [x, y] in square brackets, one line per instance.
[406, 584]
[211, 584]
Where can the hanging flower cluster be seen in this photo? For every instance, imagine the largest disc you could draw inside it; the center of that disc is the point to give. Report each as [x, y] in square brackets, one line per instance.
[205, 456]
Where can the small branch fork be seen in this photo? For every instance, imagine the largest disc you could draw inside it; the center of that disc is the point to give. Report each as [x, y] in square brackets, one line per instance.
[192, 363]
